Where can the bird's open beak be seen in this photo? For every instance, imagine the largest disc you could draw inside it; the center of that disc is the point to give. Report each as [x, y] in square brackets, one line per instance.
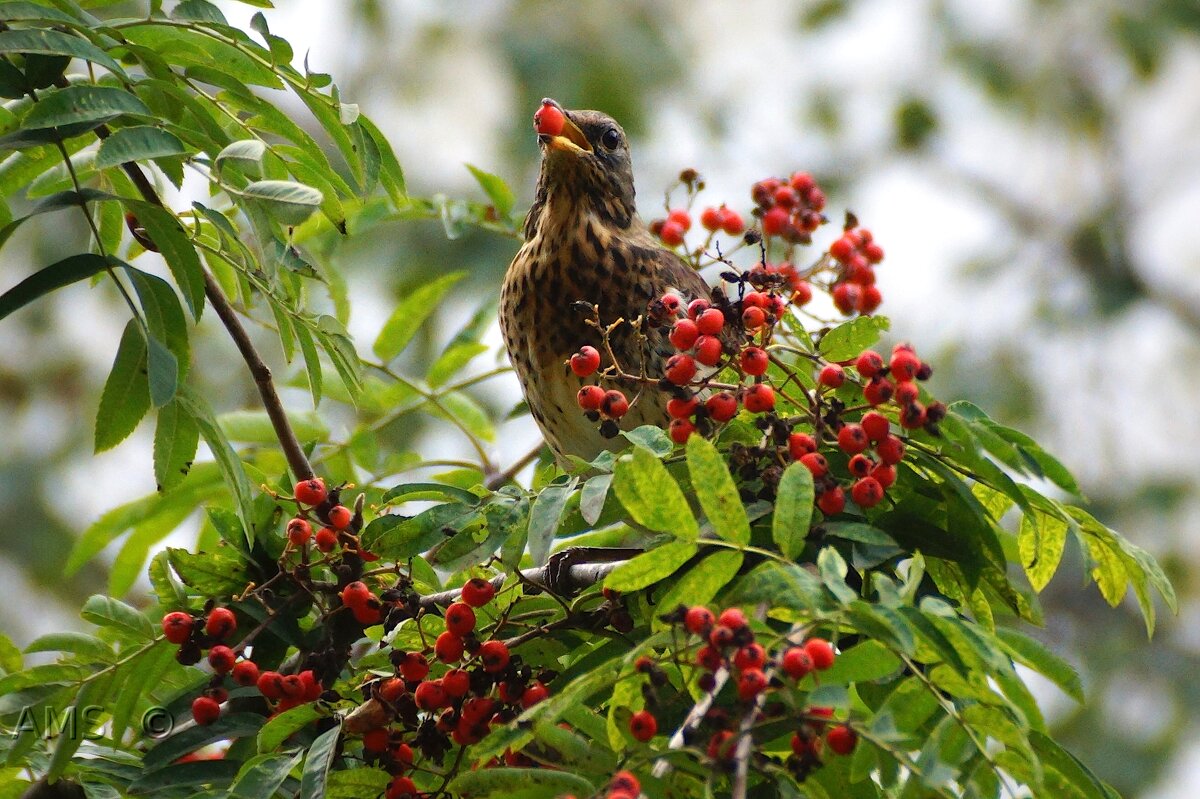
[570, 140]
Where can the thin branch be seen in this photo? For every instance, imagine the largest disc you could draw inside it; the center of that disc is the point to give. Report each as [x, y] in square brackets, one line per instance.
[501, 478]
[565, 581]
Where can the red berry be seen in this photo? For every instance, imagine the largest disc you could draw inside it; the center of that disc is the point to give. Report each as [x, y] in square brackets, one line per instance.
[806, 748]
[876, 426]
[884, 474]
[802, 182]
[477, 709]
[832, 502]
[860, 465]
[494, 655]
[890, 450]
[392, 689]
[720, 636]
[586, 361]
[869, 363]
[852, 438]
[456, 682]
[754, 361]
[356, 594]
[846, 297]
[205, 710]
[873, 252]
[751, 683]
[298, 532]
[177, 626]
[719, 746]
[549, 119]
[614, 404]
[327, 539]
[697, 307]
[802, 292]
[270, 684]
[680, 369]
[643, 725]
[832, 376]
[430, 695]
[709, 657]
[625, 781]
[376, 740]
[478, 592]
[800, 444]
[670, 303]
[711, 218]
[733, 618]
[536, 692]
[753, 318]
[449, 647]
[775, 221]
[759, 398]
[366, 615]
[721, 406]
[866, 493]
[879, 390]
[710, 322]
[912, 415]
[816, 463]
[708, 350]
[797, 662]
[681, 217]
[680, 430]
[732, 222]
[221, 658]
[310, 492]
[460, 619]
[590, 397]
[672, 233]
[340, 517]
[403, 787]
[682, 408]
[821, 652]
[684, 334]
[904, 365]
[413, 666]
[699, 620]
[841, 739]
[750, 656]
[907, 393]
[245, 673]
[842, 249]
[869, 299]
[221, 622]
[785, 196]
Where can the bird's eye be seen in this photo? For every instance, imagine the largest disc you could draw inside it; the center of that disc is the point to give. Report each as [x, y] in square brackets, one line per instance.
[611, 139]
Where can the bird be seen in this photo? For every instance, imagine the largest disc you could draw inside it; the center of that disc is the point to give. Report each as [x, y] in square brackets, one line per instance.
[584, 242]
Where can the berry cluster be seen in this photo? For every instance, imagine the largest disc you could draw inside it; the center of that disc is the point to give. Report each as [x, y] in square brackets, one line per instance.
[727, 642]
[857, 254]
[790, 209]
[338, 522]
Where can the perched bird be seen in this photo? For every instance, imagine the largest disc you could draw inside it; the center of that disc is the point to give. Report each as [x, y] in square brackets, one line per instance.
[584, 241]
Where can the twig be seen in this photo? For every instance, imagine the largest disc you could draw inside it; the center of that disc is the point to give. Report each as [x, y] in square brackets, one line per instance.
[569, 580]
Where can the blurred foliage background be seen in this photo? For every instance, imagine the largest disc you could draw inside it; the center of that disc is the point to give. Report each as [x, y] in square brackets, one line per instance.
[1032, 168]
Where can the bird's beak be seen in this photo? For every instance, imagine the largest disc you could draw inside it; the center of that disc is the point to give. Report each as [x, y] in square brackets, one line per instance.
[570, 140]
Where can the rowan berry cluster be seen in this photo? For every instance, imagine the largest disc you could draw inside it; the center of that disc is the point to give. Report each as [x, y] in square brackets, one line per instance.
[791, 208]
[337, 523]
[857, 254]
[727, 643]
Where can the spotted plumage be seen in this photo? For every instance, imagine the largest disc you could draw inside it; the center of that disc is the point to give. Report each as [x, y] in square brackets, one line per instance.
[585, 242]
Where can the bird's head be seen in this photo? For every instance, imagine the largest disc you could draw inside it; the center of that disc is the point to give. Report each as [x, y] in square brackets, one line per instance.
[585, 164]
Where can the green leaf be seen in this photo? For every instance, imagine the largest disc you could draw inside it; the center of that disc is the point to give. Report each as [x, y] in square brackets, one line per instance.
[138, 143]
[1040, 543]
[176, 437]
[262, 775]
[859, 533]
[412, 311]
[496, 189]
[83, 104]
[176, 248]
[105, 611]
[58, 274]
[1035, 655]
[246, 151]
[55, 202]
[649, 567]
[216, 573]
[592, 497]
[408, 492]
[390, 173]
[256, 427]
[227, 459]
[832, 568]
[312, 363]
[849, 339]
[793, 510]
[285, 724]
[86, 646]
[357, 783]
[544, 516]
[399, 538]
[231, 725]
[199, 11]
[716, 491]
[206, 774]
[163, 314]
[51, 42]
[163, 372]
[1075, 774]
[10, 656]
[701, 583]
[651, 438]
[91, 694]
[452, 360]
[289, 202]
[528, 783]
[317, 764]
[652, 496]
[126, 396]
[864, 662]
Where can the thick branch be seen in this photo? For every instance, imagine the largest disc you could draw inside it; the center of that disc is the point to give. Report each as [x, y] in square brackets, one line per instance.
[570, 580]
